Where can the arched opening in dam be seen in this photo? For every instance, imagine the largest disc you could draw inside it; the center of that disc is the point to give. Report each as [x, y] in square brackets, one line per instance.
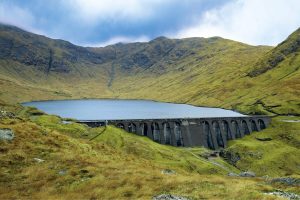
[227, 130]
[253, 125]
[167, 132]
[245, 128]
[218, 133]
[178, 135]
[120, 125]
[144, 129]
[261, 124]
[208, 135]
[155, 132]
[236, 129]
[132, 128]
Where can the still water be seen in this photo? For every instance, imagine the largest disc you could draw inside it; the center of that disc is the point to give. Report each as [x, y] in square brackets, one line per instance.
[108, 109]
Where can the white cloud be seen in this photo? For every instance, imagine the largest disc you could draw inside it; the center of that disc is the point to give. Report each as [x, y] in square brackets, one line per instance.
[15, 16]
[92, 11]
[118, 39]
[255, 22]
[22, 18]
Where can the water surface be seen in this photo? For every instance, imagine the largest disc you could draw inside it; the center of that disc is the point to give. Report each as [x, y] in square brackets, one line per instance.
[108, 109]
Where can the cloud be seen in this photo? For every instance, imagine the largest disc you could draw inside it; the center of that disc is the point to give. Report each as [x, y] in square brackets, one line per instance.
[17, 16]
[93, 11]
[121, 39]
[255, 22]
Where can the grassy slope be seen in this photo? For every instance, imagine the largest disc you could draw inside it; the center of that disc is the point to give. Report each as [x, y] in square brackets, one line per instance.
[278, 157]
[116, 165]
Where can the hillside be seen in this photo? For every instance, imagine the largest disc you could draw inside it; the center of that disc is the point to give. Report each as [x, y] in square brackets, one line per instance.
[49, 159]
[201, 71]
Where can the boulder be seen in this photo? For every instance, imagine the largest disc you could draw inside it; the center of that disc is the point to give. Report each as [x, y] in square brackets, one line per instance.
[38, 160]
[232, 174]
[169, 197]
[247, 174]
[6, 134]
[168, 171]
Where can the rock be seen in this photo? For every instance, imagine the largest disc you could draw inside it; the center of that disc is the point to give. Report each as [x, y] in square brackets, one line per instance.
[232, 174]
[168, 172]
[263, 139]
[62, 172]
[230, 157]
[210, 154]
[287, 195]
[38, 160]
[5, 114]
[66, 122]
[247, 174]
[6, 134]
[169, 197]
[287, 180]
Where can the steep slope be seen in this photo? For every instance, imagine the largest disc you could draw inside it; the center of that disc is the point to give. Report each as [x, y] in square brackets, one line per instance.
[33, 65]
[287, 51]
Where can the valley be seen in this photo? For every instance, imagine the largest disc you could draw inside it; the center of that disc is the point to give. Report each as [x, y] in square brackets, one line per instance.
[45, 157]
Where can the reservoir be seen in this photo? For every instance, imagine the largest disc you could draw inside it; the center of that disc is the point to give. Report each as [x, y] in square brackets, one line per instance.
[111, 109]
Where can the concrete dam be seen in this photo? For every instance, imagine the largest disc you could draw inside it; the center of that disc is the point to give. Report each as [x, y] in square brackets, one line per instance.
[213, 133]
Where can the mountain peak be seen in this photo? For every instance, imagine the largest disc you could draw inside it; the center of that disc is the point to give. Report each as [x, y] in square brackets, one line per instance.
[160, 38]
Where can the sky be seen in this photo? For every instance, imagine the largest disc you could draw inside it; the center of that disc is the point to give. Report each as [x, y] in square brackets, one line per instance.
[104, 22]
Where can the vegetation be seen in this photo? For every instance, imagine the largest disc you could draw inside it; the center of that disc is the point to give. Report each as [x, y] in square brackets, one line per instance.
[117, 165]
[273, 152]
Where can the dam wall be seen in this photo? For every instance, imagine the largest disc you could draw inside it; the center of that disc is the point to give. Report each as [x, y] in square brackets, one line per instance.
[213, 133]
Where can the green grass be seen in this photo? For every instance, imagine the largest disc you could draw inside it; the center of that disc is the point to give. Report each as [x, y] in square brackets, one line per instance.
[120, 165]
[278, 157]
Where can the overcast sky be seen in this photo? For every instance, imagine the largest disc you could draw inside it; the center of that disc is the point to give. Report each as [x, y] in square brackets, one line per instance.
[103, 22]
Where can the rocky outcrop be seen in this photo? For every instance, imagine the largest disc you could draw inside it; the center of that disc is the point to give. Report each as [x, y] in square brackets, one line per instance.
[287, 181]
[286, 195]
[6, 114]
[230, 157]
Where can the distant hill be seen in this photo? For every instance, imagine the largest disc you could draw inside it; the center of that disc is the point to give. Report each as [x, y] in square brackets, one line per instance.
[202, 71]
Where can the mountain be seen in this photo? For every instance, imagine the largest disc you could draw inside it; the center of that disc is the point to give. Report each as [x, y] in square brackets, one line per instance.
[201, 71]
[80, 162]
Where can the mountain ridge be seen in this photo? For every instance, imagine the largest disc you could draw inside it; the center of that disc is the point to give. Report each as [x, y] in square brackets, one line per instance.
[200, 71]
